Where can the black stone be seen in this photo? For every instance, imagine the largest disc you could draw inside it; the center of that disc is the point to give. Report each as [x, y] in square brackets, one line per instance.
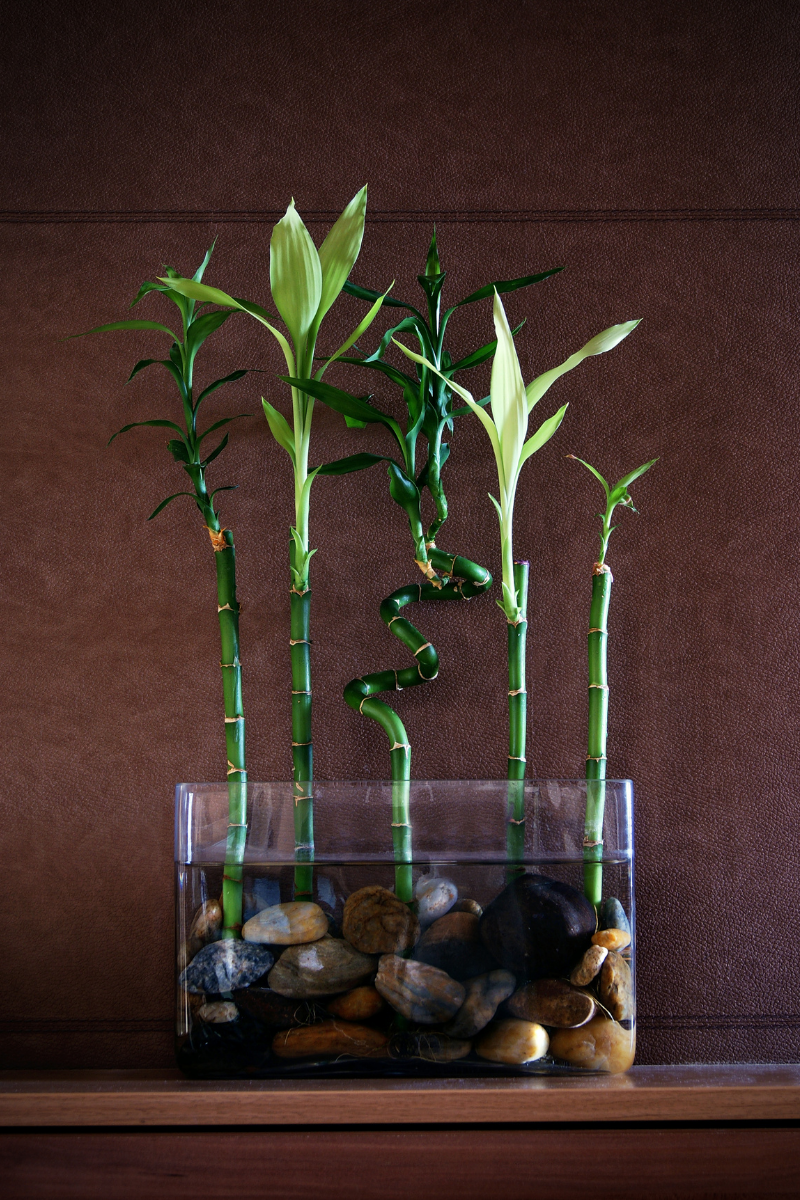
[538, 927]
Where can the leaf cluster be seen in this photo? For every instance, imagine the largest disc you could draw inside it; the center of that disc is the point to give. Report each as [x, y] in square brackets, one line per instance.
[618, 494]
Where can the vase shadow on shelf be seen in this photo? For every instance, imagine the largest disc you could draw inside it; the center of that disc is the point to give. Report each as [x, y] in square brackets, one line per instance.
[499, 966]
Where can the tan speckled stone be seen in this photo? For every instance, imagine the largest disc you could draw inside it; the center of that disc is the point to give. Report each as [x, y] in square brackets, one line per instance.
[602, 1045]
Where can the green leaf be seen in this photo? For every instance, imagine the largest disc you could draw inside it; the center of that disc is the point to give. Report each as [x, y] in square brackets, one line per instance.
[198, 275]
[280, 428]
[123, 325]
[220, 423]
[397, 376]
[506, 285]
[229, 487]
[362, 293]
[444, 454]
[148, 287]
[542, 435]
[609, 338]
[169, 500]
[432, 285]
[137, 424]
[200, 291]
[295, 275]
[432, 265]
[599, 344]
[217, 451]
[202, 328]
[361, 328]
[179, 450]
[352, 423]
[479, 356]
[462, 412]
[403, 490]
[353, 462]
[628, 479]
[339, 251]
[212, 387]
[342, 402]
[596, 474]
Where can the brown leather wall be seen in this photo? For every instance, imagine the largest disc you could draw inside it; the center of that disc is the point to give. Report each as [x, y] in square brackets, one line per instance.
[652, 148]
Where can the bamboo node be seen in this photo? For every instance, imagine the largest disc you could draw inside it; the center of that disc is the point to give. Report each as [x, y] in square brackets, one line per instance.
[227, 608]
[516, 624]
[517, 758]
[397, 687]
[603, 687]
[421, 648]
[427, 678]
[301, 743]
[299, 642]
[308, 693]
[589, 844]
[233, 720]
[236, 663]
[218, 539]
[401, 746]
[430, 545]
[296, 591]
[237, 825]
[598, 631]
[297, 799]
[516, 821]
[396, 617]
[597, 758]
[232, 770]
[400, 825]
[519, 692]
[602, 569]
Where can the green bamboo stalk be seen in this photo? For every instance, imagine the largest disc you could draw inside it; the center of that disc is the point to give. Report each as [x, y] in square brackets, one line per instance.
[597, 739]
[517, 717]
[302, 747]
[460, 579]
[186, 451]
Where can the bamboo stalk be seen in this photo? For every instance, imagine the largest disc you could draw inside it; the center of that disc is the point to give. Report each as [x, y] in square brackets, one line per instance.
[517, 720]
[302, 748]
[602, 580]
[361, 694]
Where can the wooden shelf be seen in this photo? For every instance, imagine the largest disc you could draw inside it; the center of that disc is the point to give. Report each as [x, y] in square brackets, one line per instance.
[159, 1098]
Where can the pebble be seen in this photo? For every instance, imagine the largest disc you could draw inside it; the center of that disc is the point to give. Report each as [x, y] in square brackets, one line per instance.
[276, 1010]
[602, 1045]
[286, 924]
[432, 1047]
[616, 987]
[484, 995]
[218, 1012]
[376, 922]
[551, 1002]
[589, 966]
[358, 1005]
[435, 897]
[322, 968]
[207, 921]
[612, 939]
[513, 1042]
[538, 927]
[612, 915]
[454, 944]
[470, 906]
[417, 991]
[330, 1038]
[226, 965]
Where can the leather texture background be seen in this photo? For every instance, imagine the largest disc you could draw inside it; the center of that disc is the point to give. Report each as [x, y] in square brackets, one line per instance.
[652, 149]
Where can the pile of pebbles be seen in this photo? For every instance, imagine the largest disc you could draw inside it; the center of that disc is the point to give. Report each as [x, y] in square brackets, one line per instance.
[534, 976]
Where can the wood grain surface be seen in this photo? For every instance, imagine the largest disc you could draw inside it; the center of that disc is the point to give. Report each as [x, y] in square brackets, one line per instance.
[91, 1098]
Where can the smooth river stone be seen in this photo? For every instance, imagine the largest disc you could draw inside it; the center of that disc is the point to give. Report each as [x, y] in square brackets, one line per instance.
[453, 944]
[513, 1042]
[433, 1047]
[551, 1002]
[435, 897]
[612, 915]
[538, 927]
[218, 1012]
[467, 905]
[275, 1010]
[358, 1005]
[589, 966]
[226, 965]
[417, 991]
[484, 996]
[602, 1045]
[616, 987]
[286, 924]
[330, 1038]
[376, 922]
[611, 939]
[320, 968]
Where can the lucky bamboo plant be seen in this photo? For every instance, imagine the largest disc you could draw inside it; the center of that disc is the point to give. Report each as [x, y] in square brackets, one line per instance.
[429, 400]
[597, 741]
[511, 404]
[304, 283]
[186, 449]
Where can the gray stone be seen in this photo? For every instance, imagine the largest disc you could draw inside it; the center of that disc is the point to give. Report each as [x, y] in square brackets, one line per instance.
[417, 991]
[322, 968]
[612, 915]
[432, 1047]
[484, 995]
[435, 897]
[223, 966]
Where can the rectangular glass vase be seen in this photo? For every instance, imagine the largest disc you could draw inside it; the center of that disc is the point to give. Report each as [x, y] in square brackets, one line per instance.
[443, 930]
